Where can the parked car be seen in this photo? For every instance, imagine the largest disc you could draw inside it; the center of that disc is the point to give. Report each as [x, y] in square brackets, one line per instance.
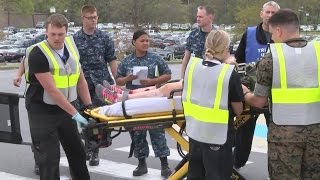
[177, 50]
[40, 24]
[10, 29]
[23, 43]
[170, 41]
[10, 53]
[165, 55]
[157, 43]
[165, 26]
[2, 59]
[185, 27]
[70, 24]
[39, 38]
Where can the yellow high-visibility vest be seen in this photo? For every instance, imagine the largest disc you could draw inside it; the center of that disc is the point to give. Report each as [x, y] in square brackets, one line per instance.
[205, 101]
[65, 75]
[296, 84]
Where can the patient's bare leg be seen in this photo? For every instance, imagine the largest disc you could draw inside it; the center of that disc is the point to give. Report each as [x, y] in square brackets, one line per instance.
[142, 94]
[167, 88]
[163, 91]
[142, 89]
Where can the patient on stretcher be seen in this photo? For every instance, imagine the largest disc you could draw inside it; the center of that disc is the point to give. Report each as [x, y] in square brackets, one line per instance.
[143, 106]
[113, 94]
[147, 100]
[139, 101]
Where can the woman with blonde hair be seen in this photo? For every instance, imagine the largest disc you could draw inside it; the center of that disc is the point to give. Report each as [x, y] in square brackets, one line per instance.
[212, 96]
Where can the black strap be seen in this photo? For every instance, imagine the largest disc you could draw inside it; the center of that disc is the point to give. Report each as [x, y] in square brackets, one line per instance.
[124, 98]
[174, 112]
[132, 144]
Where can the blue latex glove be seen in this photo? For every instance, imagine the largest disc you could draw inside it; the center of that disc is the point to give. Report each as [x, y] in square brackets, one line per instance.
[80, 119]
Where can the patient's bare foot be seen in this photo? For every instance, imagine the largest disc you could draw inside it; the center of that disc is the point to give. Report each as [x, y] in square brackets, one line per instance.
[113, 88]
[106, 94]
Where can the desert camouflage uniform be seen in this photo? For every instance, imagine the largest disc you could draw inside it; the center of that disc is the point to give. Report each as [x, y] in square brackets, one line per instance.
[95, 51]
[196, 41]
[293, 151]
[157, 136]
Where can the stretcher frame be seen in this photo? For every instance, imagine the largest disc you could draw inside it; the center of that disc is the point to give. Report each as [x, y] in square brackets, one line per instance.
[168, 118]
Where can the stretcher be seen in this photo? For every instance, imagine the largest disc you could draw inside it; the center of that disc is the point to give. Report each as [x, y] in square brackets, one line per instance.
[101, 126]
[172, 121]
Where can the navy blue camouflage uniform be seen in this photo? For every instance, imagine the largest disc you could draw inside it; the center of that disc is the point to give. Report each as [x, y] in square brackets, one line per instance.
[96, 51]
[196, 41]
[157, 136]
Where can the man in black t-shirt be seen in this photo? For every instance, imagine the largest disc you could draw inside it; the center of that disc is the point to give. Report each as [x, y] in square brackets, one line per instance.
[53, 70]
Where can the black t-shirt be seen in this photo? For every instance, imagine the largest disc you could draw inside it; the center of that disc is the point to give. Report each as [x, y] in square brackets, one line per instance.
[235, 95]
[38, 63]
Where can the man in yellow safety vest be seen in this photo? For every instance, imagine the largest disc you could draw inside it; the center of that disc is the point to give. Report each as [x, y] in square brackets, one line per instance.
[290, 76]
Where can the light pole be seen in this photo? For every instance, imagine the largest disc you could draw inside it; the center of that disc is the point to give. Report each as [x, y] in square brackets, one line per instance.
[300, 14]
[307, 16]
[66, 14]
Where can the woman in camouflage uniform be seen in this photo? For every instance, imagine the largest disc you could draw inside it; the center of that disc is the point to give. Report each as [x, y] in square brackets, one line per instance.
[158, 73]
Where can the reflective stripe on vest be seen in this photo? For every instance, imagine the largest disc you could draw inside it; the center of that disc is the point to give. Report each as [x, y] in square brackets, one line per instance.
[205, 101]
[254, 50]
[65, 75]
[296, 84]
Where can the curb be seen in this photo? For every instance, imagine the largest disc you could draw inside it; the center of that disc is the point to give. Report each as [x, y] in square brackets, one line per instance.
[174, 62]
[9, 66]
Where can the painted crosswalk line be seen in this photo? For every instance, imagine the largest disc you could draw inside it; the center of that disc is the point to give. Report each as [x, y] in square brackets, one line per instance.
[8, 176]
[117, 169]
[65, 178]
[174, 155]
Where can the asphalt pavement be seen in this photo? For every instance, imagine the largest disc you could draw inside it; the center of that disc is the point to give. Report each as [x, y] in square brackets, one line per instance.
[17, 160]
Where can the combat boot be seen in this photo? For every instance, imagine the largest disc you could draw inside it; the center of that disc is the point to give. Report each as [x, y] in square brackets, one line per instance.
[141, 169]
[94, 161]
[165, 170]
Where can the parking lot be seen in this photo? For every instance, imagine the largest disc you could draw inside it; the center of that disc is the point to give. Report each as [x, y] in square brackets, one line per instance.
[165, 40]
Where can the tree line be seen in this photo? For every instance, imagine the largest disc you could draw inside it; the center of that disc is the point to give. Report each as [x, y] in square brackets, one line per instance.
[241, 12]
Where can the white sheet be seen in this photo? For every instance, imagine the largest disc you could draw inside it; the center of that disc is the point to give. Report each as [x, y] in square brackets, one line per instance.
[142, 106]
